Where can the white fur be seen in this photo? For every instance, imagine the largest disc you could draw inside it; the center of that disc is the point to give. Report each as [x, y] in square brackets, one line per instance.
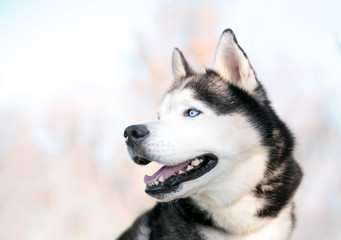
[275, 229]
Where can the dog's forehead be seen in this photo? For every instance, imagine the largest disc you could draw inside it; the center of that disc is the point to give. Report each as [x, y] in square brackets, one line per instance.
[178, 98]
[201, 89]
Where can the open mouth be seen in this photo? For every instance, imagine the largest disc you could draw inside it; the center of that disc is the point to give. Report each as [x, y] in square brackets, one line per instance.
[168, 178]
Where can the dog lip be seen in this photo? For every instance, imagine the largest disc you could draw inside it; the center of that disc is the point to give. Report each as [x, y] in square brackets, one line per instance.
[140, 160]
[174, 182]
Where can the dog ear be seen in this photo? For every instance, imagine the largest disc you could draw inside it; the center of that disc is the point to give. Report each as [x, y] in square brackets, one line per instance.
[232, 64]
[180, 67]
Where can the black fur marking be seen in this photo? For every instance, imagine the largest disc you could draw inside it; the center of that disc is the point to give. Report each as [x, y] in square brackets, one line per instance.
[211, 72]
[178, 219]
[193, 214]
[135, 230]
[278, 190]
[212, 90]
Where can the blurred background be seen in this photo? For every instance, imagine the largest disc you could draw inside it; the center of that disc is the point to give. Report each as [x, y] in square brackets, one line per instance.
[74, 74]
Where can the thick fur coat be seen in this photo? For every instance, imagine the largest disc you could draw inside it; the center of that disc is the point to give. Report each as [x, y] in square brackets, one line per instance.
[229, 171]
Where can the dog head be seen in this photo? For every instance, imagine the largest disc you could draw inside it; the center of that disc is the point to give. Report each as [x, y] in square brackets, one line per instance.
[209, 130]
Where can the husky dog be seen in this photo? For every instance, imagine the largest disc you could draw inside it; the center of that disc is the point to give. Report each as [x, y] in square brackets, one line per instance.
[228, 169]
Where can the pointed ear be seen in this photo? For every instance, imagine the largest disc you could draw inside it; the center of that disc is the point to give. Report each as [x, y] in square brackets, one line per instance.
[232, 64]
[180, 67]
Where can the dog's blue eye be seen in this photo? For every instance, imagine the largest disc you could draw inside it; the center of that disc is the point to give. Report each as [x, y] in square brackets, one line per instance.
[192, 113]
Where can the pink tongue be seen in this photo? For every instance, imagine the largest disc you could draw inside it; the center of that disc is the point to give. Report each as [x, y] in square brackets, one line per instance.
[165, 171]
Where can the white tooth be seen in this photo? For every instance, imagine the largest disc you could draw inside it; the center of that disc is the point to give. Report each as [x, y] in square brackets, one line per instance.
[195, 162]
[161, 179]
[201, 160]
[189, 167]
[156, 183]
[181, 172]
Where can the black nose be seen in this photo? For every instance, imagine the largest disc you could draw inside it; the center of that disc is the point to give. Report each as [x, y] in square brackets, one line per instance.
[135, 134]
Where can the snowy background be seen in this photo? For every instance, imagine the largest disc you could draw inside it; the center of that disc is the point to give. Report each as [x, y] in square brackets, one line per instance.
[74, 74]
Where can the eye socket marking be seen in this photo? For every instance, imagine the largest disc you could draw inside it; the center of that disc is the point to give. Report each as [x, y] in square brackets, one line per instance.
[191, 113]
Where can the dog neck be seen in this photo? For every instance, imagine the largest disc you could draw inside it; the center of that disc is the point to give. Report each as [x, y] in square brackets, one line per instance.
[239, 218]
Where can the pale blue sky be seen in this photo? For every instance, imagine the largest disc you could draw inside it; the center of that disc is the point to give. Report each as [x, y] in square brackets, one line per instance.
[49, 46]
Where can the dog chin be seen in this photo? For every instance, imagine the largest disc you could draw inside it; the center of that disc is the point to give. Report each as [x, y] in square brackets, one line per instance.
[167, 197]
[183, 191]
